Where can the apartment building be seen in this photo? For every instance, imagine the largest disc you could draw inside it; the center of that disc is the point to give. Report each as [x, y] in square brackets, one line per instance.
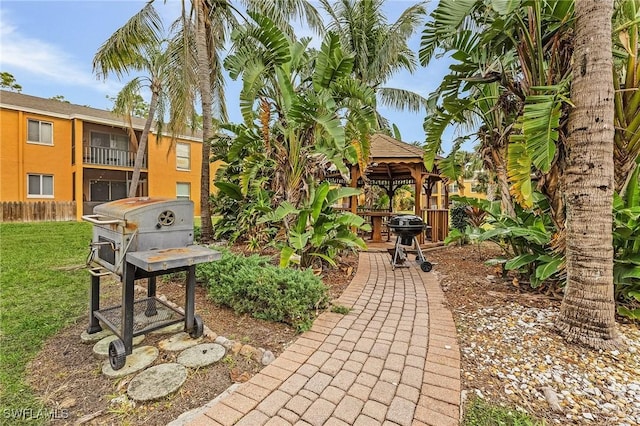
[56, 151]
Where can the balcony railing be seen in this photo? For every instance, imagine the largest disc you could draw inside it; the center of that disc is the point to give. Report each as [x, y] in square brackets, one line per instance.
[110, 157]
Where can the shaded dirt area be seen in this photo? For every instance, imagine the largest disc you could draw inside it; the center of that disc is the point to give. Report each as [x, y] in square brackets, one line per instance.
[68, 378]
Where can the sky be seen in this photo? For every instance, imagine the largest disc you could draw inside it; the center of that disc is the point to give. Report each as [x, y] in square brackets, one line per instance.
[48, 46]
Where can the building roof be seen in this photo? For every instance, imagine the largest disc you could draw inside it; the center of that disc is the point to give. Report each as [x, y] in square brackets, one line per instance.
[60, 109]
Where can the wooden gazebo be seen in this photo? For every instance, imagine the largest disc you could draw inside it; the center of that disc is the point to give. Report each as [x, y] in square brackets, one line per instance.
[392, 164]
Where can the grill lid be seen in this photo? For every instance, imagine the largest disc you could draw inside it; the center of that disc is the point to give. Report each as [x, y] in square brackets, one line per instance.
[120, 209]
[406, 220]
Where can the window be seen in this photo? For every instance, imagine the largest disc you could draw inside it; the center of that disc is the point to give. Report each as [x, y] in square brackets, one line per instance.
[40, 132]
[40, 186]
[183, 156]
[183, 190]
[110, 140]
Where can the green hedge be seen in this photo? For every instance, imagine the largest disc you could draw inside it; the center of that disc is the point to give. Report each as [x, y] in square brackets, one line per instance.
[252, 285]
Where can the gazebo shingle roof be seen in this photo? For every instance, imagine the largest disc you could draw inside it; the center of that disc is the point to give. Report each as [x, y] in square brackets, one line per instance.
[383, 146]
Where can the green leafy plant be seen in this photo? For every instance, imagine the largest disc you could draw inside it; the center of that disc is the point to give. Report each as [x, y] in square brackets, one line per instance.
[525, 238]
[626, 242]
[340, 309]
[316, 230]
[480, 413]
[253, 286]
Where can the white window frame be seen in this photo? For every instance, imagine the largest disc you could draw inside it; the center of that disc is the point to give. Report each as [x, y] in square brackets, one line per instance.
[40, 194]
[40, 123]
[187, 185]
[186, 158]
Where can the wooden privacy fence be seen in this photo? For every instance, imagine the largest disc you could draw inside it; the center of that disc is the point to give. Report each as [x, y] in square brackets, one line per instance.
[38, 211]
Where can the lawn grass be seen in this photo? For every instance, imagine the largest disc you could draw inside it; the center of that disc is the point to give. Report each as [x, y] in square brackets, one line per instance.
[43, 287]
[480, 413]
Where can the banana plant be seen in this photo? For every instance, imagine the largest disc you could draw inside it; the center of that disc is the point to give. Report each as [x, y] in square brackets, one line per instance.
[509, 81]
[300, 104]
[526, 238]
[626, 242]
[626, 79]
[317, 231]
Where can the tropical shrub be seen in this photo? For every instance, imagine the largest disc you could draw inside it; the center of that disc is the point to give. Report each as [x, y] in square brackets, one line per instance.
[316, 231]
[525, 238]
[626, 242]
[253, 286]
[458, 228]
[458, 213]
[239, 214]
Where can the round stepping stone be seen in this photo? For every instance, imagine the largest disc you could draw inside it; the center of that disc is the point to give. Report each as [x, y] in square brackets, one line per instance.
[139, 359]
[178, 342]
[101, 349]
[157, 382]
[201, 355]
[92, 338]
[173, 328]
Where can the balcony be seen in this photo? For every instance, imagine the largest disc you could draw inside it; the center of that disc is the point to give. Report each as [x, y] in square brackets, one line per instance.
[110, 157]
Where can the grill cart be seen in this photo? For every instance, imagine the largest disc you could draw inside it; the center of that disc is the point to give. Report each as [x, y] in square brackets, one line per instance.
[136, 238]
[407, 228]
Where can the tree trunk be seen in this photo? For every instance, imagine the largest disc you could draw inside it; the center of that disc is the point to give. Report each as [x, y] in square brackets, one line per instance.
[587, 314]
[142, 146]
[206, 96]
[506, 203]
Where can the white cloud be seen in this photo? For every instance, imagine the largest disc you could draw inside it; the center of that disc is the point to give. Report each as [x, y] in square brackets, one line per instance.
[43, 60]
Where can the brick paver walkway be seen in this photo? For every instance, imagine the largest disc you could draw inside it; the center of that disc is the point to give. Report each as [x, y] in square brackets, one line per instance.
[393, 359]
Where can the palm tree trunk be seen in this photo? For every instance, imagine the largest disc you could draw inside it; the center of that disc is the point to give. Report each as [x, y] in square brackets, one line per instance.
[587, 314]
[206, 96]
[142, 145]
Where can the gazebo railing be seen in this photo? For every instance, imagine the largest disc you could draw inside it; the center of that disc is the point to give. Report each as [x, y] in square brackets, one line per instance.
[438, 220]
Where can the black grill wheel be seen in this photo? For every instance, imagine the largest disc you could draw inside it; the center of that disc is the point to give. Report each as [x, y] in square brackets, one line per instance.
[117, 354]
[198, 327]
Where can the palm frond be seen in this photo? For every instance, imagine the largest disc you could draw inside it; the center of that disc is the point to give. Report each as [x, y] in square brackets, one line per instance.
[445, 22]
[124, 50]
[402, 100]
[540, 123]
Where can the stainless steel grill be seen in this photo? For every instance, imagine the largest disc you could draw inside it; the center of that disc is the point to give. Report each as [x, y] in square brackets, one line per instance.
[138, 224]
[407, 227]
[136, 238]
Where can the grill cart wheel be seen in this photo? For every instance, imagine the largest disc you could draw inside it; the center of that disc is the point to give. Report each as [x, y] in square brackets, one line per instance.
[426, 266]
[117, 354]
[198, 327]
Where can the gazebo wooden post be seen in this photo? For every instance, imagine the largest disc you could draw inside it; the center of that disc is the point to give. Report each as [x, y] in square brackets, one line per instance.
[355, 175]
[390, 192]
[418, 176]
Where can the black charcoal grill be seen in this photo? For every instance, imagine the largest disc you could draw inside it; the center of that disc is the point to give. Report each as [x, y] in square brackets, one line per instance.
[407, 227]
[136, 238]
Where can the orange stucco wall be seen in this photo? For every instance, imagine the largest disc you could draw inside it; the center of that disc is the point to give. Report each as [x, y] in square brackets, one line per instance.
[163, 158]
[19, 158]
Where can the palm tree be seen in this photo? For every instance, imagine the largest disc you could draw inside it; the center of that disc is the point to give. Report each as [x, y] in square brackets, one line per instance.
[379, 49]
[203, 29]
[136, 46]
[587, 314]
